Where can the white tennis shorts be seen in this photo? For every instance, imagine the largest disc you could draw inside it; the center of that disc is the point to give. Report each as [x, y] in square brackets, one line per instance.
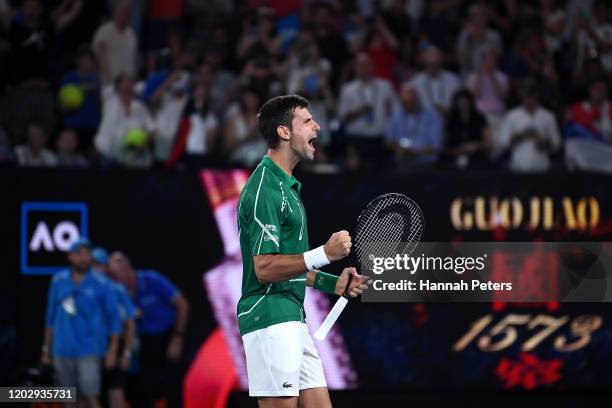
[282, 360]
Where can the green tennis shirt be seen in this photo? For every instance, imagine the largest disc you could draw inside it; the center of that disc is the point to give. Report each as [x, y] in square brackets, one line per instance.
[271, 220]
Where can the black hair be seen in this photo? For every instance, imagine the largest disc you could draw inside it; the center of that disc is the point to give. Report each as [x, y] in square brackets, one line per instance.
[454, 115]
[463, 93]
[276, 112]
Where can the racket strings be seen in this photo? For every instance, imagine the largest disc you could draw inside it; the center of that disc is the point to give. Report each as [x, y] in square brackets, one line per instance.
[384, 227]
[378, 230]
[371, 227]
[381, 242]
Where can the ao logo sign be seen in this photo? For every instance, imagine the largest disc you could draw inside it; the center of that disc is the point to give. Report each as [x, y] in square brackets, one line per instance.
[47, 231]
[64, 234]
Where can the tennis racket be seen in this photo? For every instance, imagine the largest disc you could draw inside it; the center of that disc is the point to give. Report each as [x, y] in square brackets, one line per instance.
[390, 224]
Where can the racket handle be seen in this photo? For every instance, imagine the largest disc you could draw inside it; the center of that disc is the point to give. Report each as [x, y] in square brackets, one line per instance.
[331, 318]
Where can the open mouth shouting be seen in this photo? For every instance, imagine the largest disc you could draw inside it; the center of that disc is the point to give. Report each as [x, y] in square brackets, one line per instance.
[312, 142]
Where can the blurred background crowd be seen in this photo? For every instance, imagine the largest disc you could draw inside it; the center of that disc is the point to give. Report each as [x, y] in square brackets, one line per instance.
[394, 84]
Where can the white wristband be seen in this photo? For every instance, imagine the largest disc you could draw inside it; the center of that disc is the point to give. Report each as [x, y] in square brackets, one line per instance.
[315, 258]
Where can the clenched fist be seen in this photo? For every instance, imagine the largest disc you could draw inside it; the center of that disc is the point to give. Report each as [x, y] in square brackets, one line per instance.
[338, 246]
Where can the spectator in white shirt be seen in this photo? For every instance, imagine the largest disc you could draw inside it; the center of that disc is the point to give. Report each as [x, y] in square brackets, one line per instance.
[365, 105]
[203, 138]
[435, 86]
[169, 100]
[197, 139]
[122, 113]
[34, 153]
[530, 132]
[116, 44]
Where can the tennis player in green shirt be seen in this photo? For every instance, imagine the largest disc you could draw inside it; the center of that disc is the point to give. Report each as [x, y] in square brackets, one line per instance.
[283, 365]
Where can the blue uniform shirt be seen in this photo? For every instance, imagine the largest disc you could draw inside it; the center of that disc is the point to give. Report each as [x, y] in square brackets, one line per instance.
[425, 127]
[154, 296]
[81, 315]
[127, 310]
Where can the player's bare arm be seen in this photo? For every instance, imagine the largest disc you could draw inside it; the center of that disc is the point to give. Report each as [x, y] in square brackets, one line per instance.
[273, 268]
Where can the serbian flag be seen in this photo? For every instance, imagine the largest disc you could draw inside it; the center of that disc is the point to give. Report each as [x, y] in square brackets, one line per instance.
[588, 138]
[590, 122]
[195, 135]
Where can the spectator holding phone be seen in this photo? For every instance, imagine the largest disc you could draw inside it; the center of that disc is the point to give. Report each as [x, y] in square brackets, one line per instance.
[530, 132]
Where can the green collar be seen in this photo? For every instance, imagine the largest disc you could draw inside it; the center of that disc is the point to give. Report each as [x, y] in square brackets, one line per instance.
[280, 173]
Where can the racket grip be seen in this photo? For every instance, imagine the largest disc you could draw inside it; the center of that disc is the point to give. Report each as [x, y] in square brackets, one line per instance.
[331, 318]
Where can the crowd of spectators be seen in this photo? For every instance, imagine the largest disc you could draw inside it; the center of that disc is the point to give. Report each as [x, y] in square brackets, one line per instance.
[393, 83]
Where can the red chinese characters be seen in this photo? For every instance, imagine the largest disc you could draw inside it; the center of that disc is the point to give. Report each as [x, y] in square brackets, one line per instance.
[528, 372]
